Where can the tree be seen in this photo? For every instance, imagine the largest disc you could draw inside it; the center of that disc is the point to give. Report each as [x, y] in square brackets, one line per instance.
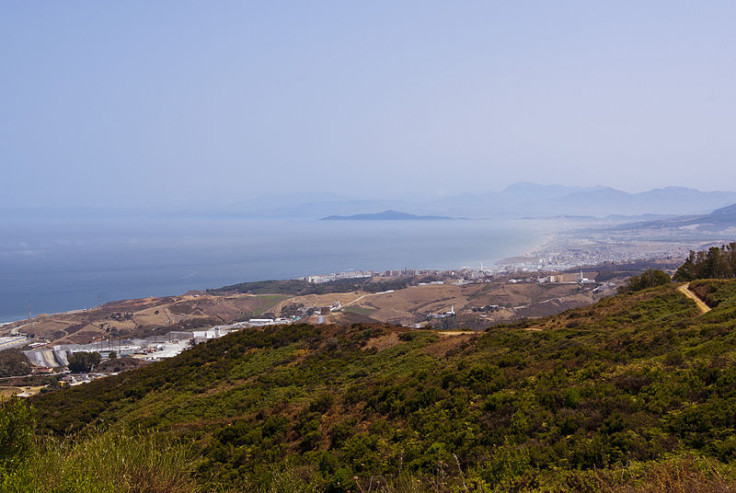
[648, 279]
[715, 263]
[113, 355]
[13, 363]
[83, 362]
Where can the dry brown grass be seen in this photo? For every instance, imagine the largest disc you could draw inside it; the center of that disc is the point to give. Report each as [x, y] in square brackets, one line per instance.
[689, 475]
[383, 342]
[440, 348]
[141, 317]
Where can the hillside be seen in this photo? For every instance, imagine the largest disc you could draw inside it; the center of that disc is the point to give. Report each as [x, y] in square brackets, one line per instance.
[143, 317]
[596, 397]
[396, 300]
[720, 220]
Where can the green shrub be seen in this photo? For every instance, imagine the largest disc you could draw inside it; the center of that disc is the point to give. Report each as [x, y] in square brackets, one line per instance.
[648, 279]
[16, 434]
[83, 362]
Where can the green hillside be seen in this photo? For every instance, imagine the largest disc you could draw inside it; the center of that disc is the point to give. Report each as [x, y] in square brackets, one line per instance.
[636, 391]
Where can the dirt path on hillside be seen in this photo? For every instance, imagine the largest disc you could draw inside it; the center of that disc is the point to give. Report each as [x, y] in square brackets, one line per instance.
[357, 299]
[685, 289]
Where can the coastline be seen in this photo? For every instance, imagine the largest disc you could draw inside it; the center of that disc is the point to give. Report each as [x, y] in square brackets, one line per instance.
[393, 248]
[530, 254]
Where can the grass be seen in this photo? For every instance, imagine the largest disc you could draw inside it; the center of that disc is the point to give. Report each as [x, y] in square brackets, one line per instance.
[267, 302]
[360, 310]
[105, 463]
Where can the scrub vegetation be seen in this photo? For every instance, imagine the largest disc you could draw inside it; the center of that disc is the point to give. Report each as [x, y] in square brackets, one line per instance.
[637, 392]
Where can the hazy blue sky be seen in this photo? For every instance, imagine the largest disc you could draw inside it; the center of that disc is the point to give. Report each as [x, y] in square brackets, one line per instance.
[171, 102]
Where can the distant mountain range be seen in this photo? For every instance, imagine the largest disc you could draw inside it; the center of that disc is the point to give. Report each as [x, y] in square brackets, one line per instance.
[529, 199]
[516, 201]
[718, 220]
[519, 200]
[387, 215]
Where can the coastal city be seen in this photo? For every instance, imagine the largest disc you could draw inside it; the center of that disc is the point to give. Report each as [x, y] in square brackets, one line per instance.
[568, 270]
[539, 268]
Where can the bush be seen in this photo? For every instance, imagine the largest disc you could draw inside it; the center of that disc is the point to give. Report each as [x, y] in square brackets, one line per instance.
[650, 278]
[83, 362]
[16, 433]
[13, 363]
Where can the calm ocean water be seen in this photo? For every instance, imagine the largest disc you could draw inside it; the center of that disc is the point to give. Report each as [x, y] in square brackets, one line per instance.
[67, 265]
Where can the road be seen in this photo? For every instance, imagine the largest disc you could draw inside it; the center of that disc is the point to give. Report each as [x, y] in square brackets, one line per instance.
[357, 299]
[685, 289]
[366, 296]
[19, 341]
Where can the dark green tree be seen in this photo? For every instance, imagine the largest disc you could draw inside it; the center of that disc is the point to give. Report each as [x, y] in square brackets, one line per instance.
[13, 363]
[648, 279]
[83, 362]
[715, 263]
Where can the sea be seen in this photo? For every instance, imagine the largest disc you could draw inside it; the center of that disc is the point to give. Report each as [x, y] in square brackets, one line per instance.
[50, 266]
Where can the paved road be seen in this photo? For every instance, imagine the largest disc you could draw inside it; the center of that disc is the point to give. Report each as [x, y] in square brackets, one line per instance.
[13, 343]
[685, 289]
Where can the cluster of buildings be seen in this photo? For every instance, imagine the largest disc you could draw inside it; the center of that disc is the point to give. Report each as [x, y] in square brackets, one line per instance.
[150, 348]
[365, 274]
[321, 279]
[448, 313]
[564, 278]
[572, 252]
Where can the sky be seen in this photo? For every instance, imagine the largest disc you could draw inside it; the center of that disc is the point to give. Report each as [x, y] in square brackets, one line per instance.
[174, 103]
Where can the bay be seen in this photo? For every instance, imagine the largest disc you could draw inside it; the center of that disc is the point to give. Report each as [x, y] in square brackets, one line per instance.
[63, 265]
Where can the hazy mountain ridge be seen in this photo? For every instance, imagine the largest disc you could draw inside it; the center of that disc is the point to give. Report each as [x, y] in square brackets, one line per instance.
[523, 199]
[719, 220]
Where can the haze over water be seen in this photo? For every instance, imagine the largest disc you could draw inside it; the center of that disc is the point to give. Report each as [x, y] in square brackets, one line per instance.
[181, 106]
[66, 265]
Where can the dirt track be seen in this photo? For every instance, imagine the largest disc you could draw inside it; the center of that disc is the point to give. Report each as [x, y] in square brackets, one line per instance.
[685, 289]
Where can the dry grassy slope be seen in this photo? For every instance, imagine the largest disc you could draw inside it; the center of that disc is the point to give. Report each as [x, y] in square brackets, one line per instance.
[415, 303]
[529, 300]
[318, 300]
[400, 306]
[515, 295]
[143, 317]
